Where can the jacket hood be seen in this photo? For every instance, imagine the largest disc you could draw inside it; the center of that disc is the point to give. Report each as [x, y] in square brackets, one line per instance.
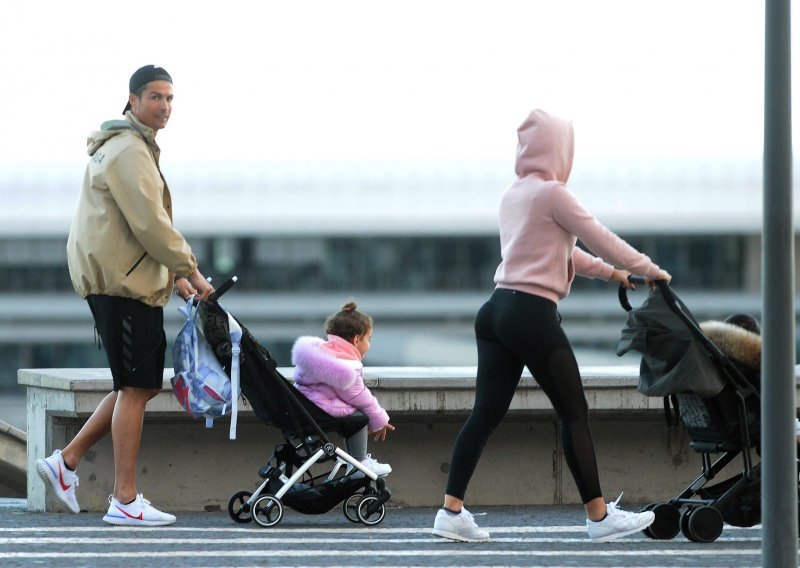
[545, 147]
[340, 347]
[111, 128]
[739, 344]
[318, 365]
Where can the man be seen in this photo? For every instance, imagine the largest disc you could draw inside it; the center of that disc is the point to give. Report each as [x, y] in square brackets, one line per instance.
[124, 258]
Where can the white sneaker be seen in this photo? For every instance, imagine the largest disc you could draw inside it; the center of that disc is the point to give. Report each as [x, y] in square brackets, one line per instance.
[375, 466]
[460, 527]
[140, 513]
[62, 480]
[618, 523]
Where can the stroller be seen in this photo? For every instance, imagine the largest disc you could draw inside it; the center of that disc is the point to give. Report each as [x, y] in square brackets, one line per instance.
[287, 476]
[716, 403]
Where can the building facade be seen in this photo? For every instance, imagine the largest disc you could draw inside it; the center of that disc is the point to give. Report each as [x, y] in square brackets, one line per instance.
[415, 244]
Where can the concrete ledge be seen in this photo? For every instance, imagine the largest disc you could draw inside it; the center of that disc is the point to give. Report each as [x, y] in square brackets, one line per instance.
[184, 466]
[404, 390]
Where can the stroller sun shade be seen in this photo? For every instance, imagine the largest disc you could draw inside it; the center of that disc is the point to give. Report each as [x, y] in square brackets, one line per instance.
[673, 359]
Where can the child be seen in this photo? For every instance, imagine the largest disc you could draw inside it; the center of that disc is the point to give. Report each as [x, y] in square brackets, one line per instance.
[739, 337]
[330, 374]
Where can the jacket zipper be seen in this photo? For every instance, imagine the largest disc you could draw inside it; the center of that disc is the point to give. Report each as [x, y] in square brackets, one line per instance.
[138, 262]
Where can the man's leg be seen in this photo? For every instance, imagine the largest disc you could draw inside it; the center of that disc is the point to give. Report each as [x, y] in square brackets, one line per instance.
[126, 507]
[126, 433]
[59, 469]
[98, 425]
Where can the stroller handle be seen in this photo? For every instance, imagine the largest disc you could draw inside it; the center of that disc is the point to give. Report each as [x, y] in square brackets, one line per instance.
[227, 285]
[622, 293]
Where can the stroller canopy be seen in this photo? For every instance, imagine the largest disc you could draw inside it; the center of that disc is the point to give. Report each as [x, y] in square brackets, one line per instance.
[673, 359]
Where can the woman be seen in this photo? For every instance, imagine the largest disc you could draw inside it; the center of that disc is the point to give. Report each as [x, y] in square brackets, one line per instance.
[540, 222]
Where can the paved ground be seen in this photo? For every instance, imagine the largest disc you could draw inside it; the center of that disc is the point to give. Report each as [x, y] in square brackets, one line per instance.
[521, 536]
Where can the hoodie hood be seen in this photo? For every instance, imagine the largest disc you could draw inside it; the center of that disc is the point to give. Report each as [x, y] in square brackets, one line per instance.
[546, 145]
[111, 128]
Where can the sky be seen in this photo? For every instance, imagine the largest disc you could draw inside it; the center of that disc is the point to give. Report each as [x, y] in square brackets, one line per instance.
[375, 80]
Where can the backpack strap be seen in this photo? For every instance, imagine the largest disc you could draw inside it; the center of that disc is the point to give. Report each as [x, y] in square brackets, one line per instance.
[235, 331]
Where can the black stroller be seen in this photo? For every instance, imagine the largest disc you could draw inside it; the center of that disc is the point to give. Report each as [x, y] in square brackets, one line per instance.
[715, 401]
[287, 476]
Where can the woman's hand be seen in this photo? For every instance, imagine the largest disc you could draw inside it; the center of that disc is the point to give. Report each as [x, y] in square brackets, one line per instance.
[380, 435]
[662, 275]
[621, 276]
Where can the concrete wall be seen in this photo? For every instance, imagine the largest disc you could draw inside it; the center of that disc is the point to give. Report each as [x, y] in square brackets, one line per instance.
[184, 466]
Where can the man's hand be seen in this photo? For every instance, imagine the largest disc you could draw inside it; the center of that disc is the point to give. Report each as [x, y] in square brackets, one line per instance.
[184, 288]
[199, 286]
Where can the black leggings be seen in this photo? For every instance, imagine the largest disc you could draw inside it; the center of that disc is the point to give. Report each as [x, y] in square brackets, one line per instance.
[514, 329]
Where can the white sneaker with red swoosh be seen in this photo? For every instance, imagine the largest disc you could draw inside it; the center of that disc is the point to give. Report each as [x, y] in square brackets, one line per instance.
[139, 513]
[63, 481]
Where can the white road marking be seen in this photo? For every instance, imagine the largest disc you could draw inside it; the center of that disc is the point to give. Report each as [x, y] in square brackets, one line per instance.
[372, 553]
[250, 527]
[39, 540]
[195, 546]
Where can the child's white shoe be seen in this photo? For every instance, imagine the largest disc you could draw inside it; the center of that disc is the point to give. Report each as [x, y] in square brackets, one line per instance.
[375, 466]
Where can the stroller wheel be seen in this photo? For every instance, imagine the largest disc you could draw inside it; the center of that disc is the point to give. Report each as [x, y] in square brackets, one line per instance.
[350, 508]
[667, 523]
[268, 511]
[238, 508]
[702, 524]
[685, 521]
[365, 517]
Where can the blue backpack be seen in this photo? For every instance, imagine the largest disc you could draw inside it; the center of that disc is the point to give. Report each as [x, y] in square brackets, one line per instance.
[200, 384]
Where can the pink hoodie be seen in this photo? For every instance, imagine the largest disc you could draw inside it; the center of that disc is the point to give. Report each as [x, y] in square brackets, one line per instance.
[331, 375]
[540, 220]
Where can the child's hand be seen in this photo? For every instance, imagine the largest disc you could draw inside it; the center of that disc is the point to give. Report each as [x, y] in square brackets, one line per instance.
[380, 435]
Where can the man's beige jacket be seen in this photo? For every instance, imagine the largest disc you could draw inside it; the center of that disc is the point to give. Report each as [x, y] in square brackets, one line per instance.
[122, 242]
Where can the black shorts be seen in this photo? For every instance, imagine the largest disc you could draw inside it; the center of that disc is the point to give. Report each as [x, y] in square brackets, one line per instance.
[133, 338]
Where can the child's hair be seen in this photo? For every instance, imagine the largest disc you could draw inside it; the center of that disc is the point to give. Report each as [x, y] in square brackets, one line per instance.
[348, 322]
[745, 321]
